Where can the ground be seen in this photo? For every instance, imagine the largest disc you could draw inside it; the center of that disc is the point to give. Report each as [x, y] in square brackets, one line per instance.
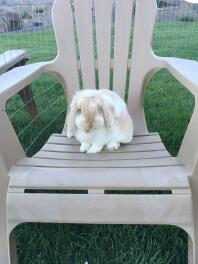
[168, 107]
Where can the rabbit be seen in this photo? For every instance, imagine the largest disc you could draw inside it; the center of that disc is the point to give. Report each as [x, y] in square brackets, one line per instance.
[98, 119]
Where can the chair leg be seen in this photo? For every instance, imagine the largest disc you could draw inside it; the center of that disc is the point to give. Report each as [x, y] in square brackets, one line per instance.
[195, 247]
[190, 251]
[194, 189]
[13, 248]
[28, 99]
[4, 244]
[8, 252]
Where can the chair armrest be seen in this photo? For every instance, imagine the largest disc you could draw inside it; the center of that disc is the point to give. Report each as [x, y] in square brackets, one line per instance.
[186, 72]
[10, 83]
[16, 79]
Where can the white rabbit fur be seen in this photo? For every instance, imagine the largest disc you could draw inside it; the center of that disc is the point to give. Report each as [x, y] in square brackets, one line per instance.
[98, 119]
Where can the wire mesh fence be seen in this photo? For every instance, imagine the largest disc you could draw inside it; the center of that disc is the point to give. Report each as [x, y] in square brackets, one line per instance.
[27, 25]
[50, 102]
[176, 31]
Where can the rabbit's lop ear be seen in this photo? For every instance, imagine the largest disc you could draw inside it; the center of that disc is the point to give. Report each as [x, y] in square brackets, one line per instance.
[71, 127]
[108, 116]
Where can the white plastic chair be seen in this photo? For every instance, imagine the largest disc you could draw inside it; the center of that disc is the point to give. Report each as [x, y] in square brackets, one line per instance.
[59, 165]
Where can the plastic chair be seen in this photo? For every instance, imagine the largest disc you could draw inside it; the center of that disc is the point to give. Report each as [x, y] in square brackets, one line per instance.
[144, 164]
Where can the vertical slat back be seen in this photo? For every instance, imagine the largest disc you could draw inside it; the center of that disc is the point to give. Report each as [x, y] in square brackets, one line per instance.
[66, 63]
[123, 17]
[83, 15]
[64, 22]
[103, 15]
[144, 62]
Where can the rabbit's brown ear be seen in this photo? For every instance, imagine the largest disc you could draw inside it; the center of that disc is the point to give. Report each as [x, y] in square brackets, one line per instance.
[71, 117]
[108, 117]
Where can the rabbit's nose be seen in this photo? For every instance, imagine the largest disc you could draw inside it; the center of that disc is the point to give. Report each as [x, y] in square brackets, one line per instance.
[88, 126]
[87, 129]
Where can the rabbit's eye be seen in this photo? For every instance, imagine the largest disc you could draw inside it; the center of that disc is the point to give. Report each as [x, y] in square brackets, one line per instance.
[79, 111]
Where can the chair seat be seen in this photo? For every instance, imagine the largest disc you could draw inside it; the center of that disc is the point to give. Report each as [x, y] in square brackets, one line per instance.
[142, 164]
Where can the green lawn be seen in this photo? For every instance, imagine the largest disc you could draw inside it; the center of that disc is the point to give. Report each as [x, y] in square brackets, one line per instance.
[168, 107]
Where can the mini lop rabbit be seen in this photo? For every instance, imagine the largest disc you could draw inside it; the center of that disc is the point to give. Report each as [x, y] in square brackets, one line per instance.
[98, 119]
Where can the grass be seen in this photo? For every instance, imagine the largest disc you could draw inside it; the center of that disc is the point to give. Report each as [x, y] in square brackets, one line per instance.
[168, 108]
[75, 244]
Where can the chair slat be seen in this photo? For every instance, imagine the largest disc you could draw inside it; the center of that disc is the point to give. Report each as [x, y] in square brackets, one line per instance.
[54, 139]
[123, 17]
[83, 15]
[101, 156]
[144, 63]
[103, 14]
[87, 178]
[64, 32]
[136, 135]
[123, 149]
[141, 163]
[101, 209]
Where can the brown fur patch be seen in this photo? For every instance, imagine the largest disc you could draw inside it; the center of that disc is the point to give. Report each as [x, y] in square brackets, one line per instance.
[124, 123]
[90, 109]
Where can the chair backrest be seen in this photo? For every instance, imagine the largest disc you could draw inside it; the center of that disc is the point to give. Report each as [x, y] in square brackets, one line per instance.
[81, 55]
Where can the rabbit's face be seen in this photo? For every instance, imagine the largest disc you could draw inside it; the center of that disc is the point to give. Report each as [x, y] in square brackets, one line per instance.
[89, 115]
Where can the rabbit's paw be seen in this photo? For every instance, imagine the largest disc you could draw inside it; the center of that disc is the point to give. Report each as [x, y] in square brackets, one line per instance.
[69, 133]
[85, 147]
[113, 146]
[95, 148]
